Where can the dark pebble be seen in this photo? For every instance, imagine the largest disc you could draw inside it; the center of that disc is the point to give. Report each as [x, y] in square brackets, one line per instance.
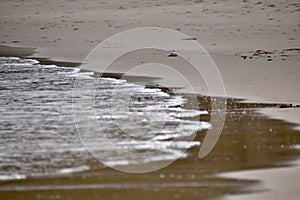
[172, 55]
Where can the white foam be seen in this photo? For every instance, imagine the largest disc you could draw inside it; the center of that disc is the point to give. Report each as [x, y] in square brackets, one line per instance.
[187, 113]
[148, 109]
[48, 66]
[9, 58]
[113, 80]
[74, 71]
[18, 61]
[85, 75]
[74, 169]
[31, 61]
[296, 146]
[12, 177]
[117, 163]
[114, 116]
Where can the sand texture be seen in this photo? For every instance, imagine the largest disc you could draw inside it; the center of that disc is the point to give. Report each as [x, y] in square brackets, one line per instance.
[255, 45]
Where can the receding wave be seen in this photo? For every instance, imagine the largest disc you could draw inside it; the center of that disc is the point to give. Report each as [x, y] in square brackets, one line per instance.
[38, 134]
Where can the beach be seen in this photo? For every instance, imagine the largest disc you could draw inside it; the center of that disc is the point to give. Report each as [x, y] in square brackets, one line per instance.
[68, 31]
[255, 46]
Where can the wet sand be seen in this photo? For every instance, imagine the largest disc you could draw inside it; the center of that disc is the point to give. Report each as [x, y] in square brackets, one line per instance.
[249, 141]
[271, 188]
[250, 41]
[254, 44]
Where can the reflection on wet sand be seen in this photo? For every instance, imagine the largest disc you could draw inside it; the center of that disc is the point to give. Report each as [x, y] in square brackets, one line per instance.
[249, 141]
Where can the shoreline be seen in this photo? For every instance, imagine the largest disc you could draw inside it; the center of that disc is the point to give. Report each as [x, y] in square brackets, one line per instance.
[290, 114]
[24, 52]
[254, 44]
[272, 181]
[29, 52]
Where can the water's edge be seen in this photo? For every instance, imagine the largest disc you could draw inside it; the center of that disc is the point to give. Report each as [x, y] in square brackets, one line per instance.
[248, 150]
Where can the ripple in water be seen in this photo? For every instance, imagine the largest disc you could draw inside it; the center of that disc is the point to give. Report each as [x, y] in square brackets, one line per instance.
[38, 134]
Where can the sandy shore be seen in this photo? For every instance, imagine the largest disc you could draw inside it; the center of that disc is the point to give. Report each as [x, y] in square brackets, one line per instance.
[231, 32]
[272, 185]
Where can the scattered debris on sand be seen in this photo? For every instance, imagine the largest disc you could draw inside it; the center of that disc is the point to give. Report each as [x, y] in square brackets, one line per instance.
[190, 38]
[291, 53]
[172, 55]
[288, 106]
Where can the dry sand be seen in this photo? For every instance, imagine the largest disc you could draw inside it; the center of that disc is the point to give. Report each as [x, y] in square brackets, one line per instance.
[230, 31]
[68, 30]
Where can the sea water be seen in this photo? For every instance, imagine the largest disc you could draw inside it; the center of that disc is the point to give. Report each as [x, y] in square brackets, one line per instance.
[48, 115]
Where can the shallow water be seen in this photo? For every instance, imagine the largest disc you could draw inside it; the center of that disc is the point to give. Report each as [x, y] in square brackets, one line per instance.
[38, 134]
[249, 141]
